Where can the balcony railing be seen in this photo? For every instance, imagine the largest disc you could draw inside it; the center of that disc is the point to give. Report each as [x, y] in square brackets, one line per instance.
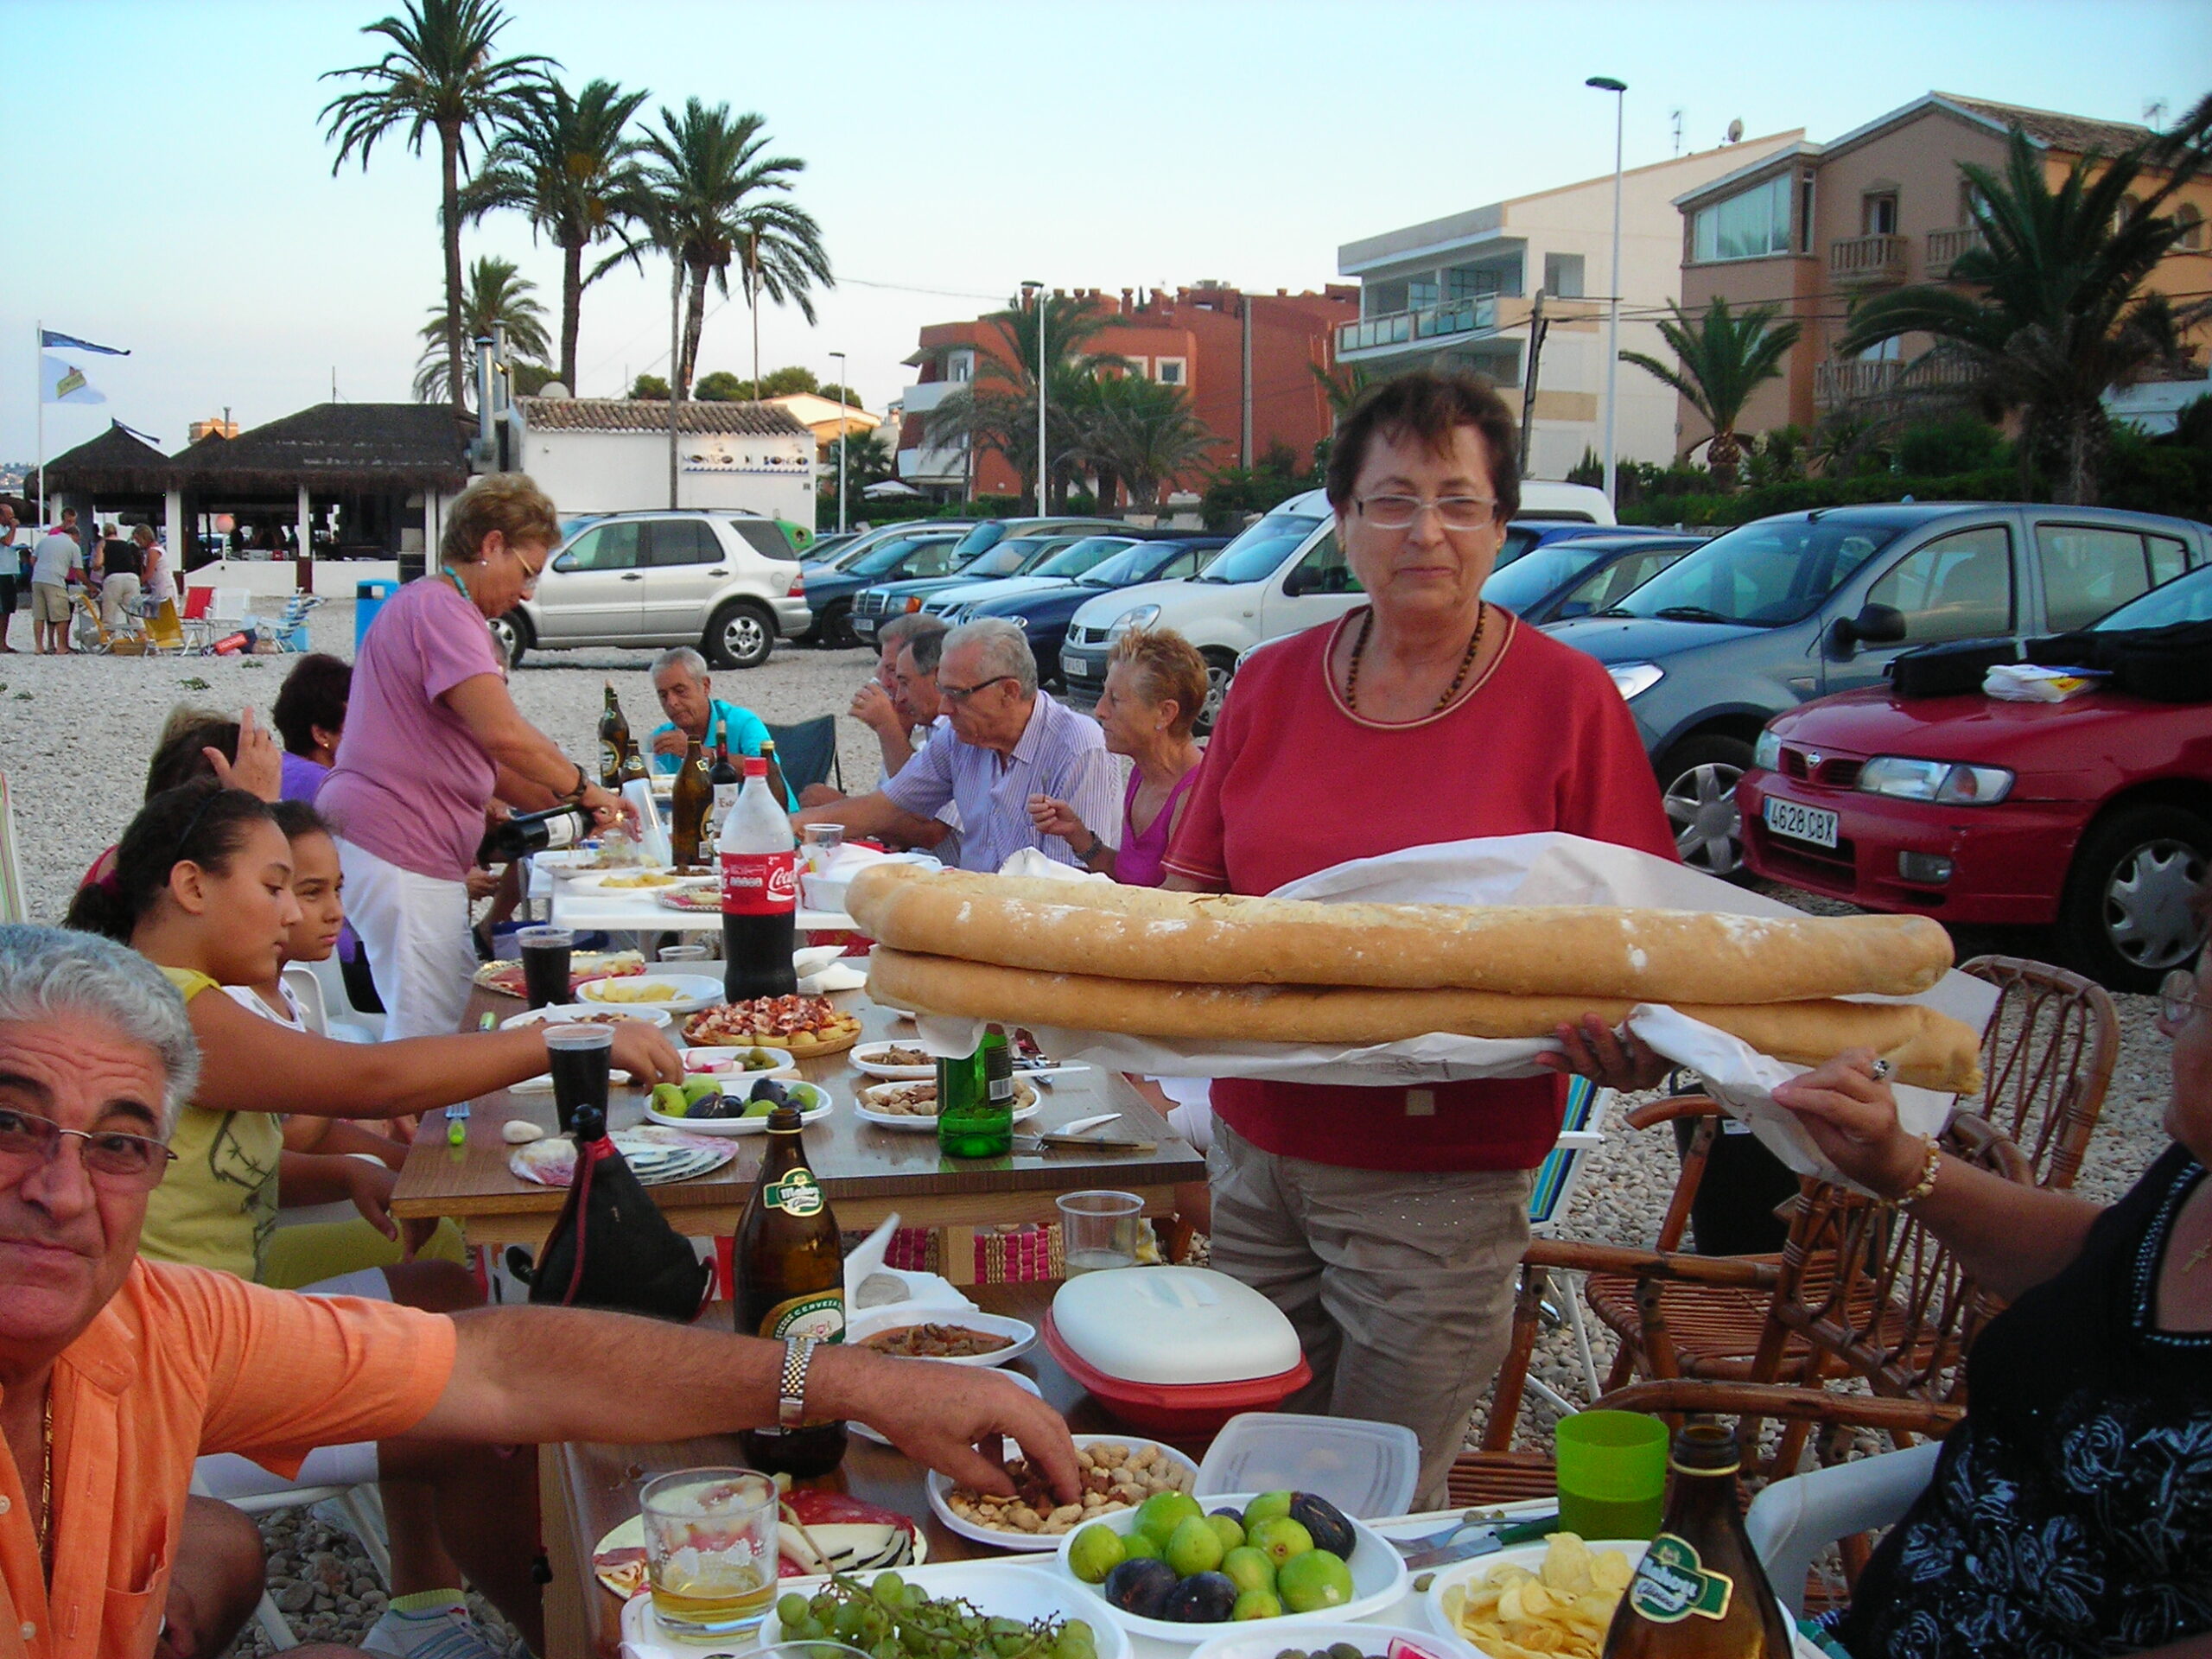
[1868, 258]
[1944, 248]
[1427, 322]
[1861, 381]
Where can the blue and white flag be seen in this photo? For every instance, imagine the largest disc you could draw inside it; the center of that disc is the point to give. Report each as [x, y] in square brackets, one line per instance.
[51, 338]
[60, 382]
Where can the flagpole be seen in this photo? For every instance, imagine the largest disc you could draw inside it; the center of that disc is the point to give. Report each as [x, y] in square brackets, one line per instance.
[38, 396]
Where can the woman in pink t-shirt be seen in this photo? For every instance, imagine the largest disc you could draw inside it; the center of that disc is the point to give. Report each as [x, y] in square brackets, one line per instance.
[1387, 1223]
[431, 739]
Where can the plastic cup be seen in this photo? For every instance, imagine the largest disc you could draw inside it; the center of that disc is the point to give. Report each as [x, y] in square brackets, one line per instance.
[683, 953]
[819, 844]
[545, 965]
[1098, 1230]
[711, 1550]
[577, 1056]
[1612, 1473]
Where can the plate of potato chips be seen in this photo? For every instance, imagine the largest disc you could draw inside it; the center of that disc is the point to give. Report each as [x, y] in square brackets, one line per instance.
[1555, 1599]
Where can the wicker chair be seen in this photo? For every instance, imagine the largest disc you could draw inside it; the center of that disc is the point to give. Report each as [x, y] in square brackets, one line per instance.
[2047, 1055]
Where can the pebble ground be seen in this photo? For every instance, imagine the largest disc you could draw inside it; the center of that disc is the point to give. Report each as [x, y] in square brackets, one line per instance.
[75, 733]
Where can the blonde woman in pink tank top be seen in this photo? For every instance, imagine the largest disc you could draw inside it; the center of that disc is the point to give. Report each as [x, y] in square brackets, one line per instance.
[1155, 686]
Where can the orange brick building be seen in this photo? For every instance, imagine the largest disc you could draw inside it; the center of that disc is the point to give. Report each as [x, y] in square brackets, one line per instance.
[1246, 360]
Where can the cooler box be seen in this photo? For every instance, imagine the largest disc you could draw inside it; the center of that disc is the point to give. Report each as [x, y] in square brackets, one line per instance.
[1177, 1350]
[368, 599]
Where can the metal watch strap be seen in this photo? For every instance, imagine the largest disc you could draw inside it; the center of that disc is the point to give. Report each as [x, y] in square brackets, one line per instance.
[790, 1395]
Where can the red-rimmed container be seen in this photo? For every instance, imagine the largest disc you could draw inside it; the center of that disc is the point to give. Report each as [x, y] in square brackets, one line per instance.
[1177, 1350]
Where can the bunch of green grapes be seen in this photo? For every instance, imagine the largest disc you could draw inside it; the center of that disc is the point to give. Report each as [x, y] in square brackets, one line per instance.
[889, 1619]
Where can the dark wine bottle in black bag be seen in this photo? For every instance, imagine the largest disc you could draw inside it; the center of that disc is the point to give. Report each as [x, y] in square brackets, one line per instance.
[612, 1247]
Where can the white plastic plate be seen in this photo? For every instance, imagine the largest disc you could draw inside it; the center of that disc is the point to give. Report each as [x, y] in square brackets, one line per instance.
[940, 1490]
[876, 1321]
[692, 992]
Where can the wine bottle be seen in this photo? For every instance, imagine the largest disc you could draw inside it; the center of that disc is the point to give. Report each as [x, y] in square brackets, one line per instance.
[534, 832]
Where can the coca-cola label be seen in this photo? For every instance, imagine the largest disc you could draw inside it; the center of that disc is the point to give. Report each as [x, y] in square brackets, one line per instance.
[760, 884]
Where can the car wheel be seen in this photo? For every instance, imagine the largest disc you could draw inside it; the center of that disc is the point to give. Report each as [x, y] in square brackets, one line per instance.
[833, 629]
[2125, 919]
[740, 636]
[1221, 667]
[512, 632]
[1698, 781]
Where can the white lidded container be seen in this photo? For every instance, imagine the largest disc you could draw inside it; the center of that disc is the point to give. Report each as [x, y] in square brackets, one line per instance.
[1366, 1469]
[1174, 1349]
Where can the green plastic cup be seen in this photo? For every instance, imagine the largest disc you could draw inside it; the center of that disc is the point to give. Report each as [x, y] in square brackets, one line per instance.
[1612, 1473]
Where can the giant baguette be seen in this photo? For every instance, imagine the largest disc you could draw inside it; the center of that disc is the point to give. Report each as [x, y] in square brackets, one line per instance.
[1146, 933]
[1922, 1046]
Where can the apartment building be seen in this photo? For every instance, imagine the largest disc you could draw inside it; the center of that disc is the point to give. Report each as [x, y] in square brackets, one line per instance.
[1813, 226]
[1246, 360]
[1459, 291]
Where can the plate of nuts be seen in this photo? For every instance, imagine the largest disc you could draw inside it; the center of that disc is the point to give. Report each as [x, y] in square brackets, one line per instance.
[1118, 1473]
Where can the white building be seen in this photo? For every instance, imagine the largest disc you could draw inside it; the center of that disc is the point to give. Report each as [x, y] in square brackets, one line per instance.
[609, 454]
[1459, 292]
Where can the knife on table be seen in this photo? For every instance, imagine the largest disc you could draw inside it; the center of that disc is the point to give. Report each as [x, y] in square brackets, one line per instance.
[1484, 1541]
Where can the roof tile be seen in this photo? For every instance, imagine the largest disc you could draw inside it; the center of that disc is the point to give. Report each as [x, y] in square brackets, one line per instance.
[644, 415]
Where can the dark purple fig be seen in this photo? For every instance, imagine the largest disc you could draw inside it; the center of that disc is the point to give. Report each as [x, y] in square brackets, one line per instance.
[1202, 1599]
[1141, 1586]
[769, 1089]
[1326, 1521]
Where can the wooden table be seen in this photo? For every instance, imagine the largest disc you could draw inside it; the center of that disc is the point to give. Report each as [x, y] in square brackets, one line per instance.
[588, 1490]
[867, 1172]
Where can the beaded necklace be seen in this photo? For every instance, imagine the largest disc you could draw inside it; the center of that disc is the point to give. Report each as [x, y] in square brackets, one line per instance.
[1359, 649]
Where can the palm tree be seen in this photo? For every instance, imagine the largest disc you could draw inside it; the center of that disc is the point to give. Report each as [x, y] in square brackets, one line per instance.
[1342, 386]
[2057, 317]
[998, 412]
[570, 162]
[1142, 433]
[721, 200]
[439, 77]
[1725, 357]
[497, 297]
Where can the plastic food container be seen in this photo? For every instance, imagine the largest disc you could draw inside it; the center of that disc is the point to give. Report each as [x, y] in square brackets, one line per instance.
[1177, 1350]
[1366, 1469]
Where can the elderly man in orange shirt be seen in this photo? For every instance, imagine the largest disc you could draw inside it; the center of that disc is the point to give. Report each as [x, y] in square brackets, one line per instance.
[116, 1373]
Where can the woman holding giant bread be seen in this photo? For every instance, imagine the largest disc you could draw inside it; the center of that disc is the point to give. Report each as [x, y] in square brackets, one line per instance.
[1387, 1223]
[431, 739]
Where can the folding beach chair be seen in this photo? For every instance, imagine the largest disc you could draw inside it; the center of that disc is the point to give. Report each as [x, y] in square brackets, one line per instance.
[165, 629]
[199, 630]
[88, 633]
[808, 752]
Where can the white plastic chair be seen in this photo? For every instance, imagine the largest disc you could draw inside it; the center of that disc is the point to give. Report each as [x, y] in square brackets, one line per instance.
[1793, 1521]
[364, 1513]
[341, 1019]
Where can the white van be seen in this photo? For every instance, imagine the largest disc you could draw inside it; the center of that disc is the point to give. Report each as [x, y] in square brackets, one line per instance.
[1283, 573]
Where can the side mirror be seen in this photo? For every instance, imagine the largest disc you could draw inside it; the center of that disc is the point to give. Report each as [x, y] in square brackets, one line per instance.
[565, 562]
[1879, 625]
[1301, 580]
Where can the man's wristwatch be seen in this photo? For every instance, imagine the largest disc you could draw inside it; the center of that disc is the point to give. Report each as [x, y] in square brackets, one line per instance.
[1097, 847]
[791, 1392]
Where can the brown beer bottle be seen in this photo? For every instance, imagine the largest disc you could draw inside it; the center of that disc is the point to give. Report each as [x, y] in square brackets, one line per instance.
[613, 742]
[633, 765]
[777, 792]
[690, 800]
[791, 1282]
[1699, 1592]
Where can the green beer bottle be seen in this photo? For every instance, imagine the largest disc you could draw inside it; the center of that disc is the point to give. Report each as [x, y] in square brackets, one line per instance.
[975, 1100]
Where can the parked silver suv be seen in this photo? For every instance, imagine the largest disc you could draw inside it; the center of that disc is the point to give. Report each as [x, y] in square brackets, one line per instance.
[727, 583]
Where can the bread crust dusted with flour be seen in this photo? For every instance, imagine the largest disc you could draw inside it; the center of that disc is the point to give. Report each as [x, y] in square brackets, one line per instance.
[1923, 1047]
[1580, 951]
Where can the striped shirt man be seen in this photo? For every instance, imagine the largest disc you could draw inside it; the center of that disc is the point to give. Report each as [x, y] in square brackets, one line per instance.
[1061, 753]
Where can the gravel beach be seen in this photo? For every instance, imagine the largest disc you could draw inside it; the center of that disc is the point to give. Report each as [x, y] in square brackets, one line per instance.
[75, 733]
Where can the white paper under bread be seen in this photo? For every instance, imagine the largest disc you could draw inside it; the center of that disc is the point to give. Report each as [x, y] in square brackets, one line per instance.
[1547, 868]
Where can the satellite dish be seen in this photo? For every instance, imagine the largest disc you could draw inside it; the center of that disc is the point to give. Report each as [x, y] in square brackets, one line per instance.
[553, 390]
[1736, 130]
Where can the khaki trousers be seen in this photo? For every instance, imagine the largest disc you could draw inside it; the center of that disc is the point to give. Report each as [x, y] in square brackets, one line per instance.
[1399, 1284]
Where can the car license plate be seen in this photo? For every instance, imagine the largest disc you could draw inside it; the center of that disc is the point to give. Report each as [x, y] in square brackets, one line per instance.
[864, 627]
[1078, 668]
[1814, 823]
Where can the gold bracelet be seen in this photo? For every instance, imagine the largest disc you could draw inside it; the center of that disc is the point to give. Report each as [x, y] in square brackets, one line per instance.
[1927, 1183]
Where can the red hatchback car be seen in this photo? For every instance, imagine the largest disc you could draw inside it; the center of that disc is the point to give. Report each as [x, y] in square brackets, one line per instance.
[2093, 815]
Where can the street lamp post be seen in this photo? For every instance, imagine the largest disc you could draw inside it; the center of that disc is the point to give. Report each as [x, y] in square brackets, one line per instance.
[1044, 466]
[840, 356]
[1618, 89]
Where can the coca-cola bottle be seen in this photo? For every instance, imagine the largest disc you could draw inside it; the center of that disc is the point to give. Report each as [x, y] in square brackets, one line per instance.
[759, 879]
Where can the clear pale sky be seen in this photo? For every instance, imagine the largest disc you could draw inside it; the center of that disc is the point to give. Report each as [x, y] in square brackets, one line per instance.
[172, 191]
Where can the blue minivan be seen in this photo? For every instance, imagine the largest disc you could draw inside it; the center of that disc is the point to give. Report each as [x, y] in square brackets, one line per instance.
[1801, 605]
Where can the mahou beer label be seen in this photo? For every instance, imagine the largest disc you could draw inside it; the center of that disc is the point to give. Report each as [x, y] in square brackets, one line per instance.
[760, 884]
[1672, 1584]
[795, 1195]
[819, 1314]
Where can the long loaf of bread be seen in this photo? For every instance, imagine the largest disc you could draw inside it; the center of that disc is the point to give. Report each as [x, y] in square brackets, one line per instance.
[1924, 1047]
[1146, 933]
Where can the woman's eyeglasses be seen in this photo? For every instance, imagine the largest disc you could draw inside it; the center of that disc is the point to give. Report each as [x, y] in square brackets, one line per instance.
[112, 1158]
[2178, 998]
[1399, 512]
